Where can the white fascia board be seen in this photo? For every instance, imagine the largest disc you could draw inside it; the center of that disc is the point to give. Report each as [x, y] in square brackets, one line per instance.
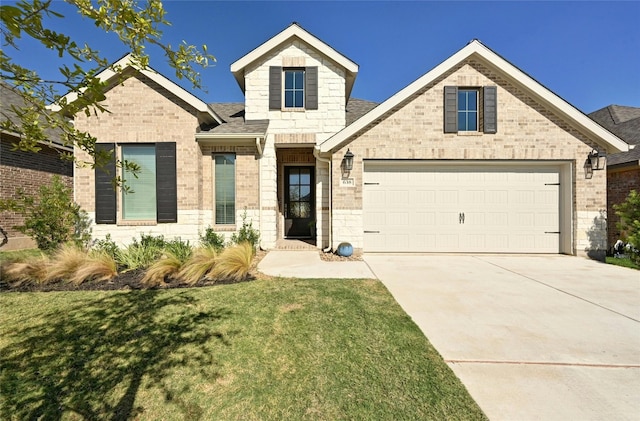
[294, 31]
[252, 136]
[167, 84]
[612, 142]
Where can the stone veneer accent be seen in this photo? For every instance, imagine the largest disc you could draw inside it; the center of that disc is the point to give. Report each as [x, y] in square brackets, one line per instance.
[526, 131]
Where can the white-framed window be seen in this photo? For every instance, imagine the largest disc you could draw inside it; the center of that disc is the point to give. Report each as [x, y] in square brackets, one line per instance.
[294, 83]
[468, 110]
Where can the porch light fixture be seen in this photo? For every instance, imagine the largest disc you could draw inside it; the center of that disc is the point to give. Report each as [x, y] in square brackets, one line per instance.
[347, 161]
[588, 169]
[597, 160]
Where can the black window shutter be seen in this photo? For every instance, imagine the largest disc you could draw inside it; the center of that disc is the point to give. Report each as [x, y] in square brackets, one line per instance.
[104, 187]
[490, 109]
[166, 183]
[451, 109]
[311, 88]
[275, 88]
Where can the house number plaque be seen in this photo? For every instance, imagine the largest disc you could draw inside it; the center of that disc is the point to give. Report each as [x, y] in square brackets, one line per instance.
[347, 182]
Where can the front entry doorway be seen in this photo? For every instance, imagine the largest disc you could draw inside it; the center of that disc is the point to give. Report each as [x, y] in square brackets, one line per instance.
[299, 202]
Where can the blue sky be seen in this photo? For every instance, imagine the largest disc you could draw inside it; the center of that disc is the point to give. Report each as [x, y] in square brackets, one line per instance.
[586, 52]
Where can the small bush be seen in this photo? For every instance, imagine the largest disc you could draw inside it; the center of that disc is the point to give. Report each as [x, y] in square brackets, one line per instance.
[246, 234]
[212, 239]
[629, 225]
[51, 217]
[107, 246]
[138, 256]
[180, 249]
[199, 266]
[234, 263]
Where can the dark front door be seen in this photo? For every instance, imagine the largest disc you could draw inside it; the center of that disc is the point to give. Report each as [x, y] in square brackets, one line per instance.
[299, 204]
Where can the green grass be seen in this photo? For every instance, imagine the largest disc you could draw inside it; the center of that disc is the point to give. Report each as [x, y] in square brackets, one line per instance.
[262, 350]
[18, 254]
[625, 262]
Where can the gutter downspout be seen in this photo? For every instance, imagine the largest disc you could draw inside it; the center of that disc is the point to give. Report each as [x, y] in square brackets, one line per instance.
[316, 154]
[259, 148]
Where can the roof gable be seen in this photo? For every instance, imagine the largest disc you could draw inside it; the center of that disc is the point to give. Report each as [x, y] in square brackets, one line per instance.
[295, 31]
[125, 63]
[514, 75]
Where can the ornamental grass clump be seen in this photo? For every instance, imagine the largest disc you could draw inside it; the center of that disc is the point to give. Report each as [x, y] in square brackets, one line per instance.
[199, 266]
[163, 270]
[64, 262]
[98, 266]
[28, 271]
[234, 263]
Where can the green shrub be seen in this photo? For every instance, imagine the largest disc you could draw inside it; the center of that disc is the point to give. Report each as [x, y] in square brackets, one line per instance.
[246, 234]
[107, 246]
[629, 225]
[181, 250]
[212, 239]
[51, 217]
[140, 255]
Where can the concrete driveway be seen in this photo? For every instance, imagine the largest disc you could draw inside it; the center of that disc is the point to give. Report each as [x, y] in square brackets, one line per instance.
[531, 337]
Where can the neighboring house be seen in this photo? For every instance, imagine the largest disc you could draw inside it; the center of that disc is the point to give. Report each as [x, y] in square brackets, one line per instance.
[474, 156]
[26, 170]
[623, 169]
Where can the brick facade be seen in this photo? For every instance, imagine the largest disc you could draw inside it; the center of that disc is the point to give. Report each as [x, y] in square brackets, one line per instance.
[29, 171]
[619, 183]
[526, 132]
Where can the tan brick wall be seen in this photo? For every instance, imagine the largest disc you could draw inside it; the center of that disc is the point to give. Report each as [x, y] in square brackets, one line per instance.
[526, 131]
[140, 111]
[620, 182]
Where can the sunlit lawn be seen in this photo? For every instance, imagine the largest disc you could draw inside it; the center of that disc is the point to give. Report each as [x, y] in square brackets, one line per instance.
[264, 350]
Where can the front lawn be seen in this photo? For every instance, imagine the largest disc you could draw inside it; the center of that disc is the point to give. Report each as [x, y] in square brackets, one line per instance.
[280, 349]
[624, 262]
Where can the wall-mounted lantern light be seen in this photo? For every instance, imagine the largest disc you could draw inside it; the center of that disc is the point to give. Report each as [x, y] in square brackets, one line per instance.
[347, 161]
[597, 160]
[588, 169]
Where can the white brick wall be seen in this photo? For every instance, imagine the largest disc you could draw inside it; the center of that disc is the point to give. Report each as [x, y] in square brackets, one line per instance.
[348, 226]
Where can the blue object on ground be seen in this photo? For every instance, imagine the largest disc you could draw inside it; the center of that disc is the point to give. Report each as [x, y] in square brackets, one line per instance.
[345, 249]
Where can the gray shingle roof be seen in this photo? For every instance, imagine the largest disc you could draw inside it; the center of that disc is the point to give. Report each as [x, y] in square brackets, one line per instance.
[624, 122]
[9, 98]
[234, 123]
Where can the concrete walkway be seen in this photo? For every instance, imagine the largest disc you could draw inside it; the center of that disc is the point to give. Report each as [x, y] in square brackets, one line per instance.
[531, 337]
[307, 264]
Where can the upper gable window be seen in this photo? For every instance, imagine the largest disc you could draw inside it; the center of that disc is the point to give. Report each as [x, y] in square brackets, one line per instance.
[470, 109]
[294, 88]
[298, 90]
[467, 110]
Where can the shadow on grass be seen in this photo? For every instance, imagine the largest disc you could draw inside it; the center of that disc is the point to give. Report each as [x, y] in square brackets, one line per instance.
[91, 359]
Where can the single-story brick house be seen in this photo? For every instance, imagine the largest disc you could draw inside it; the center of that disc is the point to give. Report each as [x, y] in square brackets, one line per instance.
[26, 170]
[474, 156]
[623, 169]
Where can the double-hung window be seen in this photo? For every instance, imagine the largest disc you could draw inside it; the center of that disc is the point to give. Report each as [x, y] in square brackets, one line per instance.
[470, 109]
[467, 110]
[225, 188]
[294, 88]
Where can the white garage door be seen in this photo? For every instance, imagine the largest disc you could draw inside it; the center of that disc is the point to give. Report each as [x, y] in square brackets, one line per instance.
[417, 207]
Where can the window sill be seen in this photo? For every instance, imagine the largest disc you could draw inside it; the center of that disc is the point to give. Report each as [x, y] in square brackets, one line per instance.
[294, 109]
[123, 223]
[224, 228]
[470, 133]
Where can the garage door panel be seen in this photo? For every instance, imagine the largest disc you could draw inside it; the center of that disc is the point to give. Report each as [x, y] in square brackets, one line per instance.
[417, 208]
